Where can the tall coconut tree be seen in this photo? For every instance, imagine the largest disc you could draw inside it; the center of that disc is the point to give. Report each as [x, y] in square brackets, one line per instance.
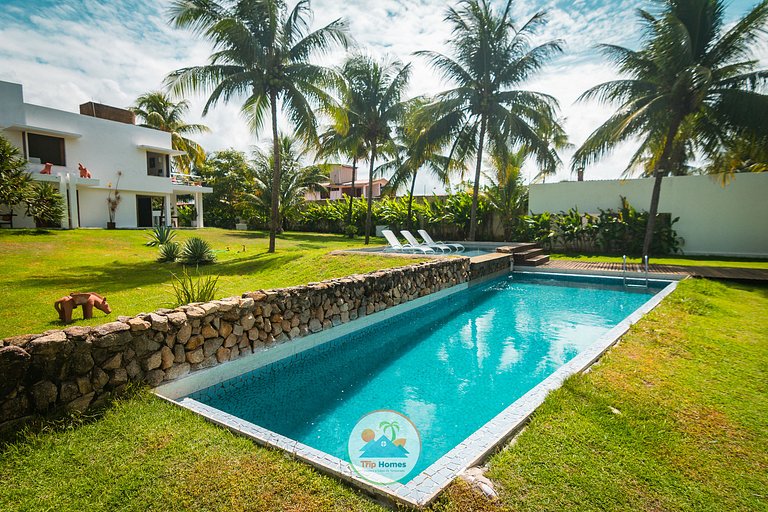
[492, 58]
[262, 56]
[415, 151]
[691, 87]
[373, 95]
[297, 178]
[157, 110]
[507, 193]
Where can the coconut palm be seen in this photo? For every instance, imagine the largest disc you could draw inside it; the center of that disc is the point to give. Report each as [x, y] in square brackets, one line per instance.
[491, 60]
[413, 151]
[262, 54]
[507, 194]
[372, 94]
[691, 86]
[156, 110]
[740, 154]
[296, 178]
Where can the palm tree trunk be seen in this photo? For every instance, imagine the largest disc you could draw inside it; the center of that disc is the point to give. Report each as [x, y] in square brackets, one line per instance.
[352, 196]
[476, 189]
[274, 220]
[661, 168]
[410, 201]
[370, 195]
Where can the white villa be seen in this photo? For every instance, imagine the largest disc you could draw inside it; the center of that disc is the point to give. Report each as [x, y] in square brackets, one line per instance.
[106, 142]
[341, 184]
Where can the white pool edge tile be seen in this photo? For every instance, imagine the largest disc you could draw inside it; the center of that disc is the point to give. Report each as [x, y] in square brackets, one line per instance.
[425, 486]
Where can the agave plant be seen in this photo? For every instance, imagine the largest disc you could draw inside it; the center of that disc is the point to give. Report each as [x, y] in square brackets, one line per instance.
[169, 251]
[161, 235]
[195, 287]
[197, 251]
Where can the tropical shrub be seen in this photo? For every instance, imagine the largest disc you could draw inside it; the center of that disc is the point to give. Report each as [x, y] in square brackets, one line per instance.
[611, 232]
[187, 213]
[195, 287]
[169, 251]
[197, 251]
[161, 235]
[15, 181]
[45, 205]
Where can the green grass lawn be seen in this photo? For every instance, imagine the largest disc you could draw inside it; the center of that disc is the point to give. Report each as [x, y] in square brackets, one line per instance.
[37, 268]
[693, 261]
[675, 417]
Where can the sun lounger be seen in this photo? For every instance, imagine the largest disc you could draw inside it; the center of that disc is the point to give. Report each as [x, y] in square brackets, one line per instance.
[413, 242]
[396, 246]
[428, 240]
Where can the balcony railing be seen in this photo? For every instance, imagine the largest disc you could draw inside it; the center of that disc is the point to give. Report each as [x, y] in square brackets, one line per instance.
[191, 180]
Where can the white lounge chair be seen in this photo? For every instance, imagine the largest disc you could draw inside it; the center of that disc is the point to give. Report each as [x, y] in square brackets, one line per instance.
[396, 246]
[428, 240]
[412, 241]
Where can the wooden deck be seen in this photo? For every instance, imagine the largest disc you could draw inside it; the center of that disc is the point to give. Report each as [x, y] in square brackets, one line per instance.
[730, 273]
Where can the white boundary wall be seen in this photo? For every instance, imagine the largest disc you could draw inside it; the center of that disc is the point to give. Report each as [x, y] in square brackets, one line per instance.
[729, 220]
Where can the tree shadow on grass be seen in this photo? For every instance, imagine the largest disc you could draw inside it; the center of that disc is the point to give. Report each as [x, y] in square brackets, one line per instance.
[27, 232]
[115, 276]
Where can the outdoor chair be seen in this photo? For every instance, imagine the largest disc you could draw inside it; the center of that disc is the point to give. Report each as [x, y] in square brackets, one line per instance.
[396, 246]
[430, 242]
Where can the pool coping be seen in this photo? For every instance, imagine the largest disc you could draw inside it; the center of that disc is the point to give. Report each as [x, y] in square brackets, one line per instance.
[427, 485]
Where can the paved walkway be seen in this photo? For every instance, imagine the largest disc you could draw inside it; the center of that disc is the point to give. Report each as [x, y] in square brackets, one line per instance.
[745, 274]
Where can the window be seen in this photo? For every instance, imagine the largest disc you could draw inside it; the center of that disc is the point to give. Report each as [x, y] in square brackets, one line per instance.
[157, 164]
[46, 148]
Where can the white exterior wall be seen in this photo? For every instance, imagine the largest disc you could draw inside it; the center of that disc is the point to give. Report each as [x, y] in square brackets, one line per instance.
[104, 147]
[729, 220]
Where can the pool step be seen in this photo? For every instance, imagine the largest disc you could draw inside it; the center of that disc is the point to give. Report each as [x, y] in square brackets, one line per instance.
[535, 261]
[523, 256]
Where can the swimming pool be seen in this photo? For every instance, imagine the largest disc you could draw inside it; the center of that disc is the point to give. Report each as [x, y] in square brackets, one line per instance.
[451, 367]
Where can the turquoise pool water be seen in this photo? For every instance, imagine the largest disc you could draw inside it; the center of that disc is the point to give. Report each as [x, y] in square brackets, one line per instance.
[450, 366]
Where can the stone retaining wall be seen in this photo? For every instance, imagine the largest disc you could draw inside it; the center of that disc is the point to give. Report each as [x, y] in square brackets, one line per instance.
[79, 367]
[490, 264]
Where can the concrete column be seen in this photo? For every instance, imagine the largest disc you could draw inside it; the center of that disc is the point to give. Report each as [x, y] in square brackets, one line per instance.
[63, 184]
[199, 209]
[74, 210]
[167, 208]
[174, 211]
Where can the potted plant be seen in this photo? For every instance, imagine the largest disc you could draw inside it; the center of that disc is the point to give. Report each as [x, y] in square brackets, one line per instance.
[113, 201]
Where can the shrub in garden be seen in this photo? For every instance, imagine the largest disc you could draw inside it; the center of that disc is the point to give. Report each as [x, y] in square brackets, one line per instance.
[161, 235]
[197, 251]
[169, 252]
[194, 287]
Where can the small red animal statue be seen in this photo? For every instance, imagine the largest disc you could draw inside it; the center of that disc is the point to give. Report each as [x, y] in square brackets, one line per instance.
[47, 168]
[65, 305]
[83, 171]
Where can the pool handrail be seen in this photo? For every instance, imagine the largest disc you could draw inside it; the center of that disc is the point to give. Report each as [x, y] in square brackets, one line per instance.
[428, 240]
[395, 245]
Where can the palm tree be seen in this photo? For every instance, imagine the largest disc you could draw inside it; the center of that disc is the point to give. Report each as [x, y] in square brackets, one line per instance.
[507, 194]
[296, 178]
[372, 94]
[491, 59]
[740, 154]
[156, 110]
[413, 151]
[262, 53]
[691, 86]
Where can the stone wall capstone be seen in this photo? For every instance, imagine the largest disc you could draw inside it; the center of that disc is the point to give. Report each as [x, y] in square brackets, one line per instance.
[81, 367]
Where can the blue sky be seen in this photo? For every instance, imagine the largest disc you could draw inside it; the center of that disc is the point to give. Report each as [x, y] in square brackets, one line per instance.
[69, 52]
